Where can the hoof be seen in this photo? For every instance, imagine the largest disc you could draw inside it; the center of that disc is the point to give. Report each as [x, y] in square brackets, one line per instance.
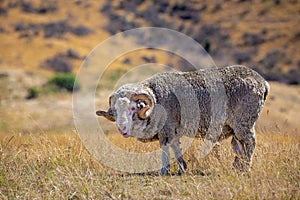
[182, 168]
[180, 172]
[165, 171]
[241, 165]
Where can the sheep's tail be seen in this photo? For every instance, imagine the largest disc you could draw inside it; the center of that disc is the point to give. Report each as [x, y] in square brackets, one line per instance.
[267, 90]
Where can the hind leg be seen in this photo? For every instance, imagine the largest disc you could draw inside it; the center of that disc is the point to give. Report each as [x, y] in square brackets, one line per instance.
[243, 145]
[245, 115]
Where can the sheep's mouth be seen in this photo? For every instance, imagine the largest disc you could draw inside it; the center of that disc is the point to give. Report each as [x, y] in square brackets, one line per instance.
[124, 134]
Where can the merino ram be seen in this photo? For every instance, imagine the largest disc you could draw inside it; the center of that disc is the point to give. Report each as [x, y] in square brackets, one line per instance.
[212, 104]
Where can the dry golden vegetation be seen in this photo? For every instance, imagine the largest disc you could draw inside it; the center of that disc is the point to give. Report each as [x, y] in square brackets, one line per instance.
[57, 166]
[48, 162]
[41, 154]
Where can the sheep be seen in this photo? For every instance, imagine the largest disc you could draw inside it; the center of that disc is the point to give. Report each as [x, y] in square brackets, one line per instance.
[212, 104]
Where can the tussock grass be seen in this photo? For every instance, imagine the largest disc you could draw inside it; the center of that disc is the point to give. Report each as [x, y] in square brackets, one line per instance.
[48, 161]
[56, 166]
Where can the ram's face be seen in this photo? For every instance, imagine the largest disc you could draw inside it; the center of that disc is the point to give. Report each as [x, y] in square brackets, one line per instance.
[124, 110]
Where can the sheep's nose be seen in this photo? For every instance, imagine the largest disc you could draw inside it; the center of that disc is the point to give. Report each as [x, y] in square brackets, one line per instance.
[122, 127]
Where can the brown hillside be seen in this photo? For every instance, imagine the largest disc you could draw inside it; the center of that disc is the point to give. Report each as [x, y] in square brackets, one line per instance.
[261, 34]
[41, 153]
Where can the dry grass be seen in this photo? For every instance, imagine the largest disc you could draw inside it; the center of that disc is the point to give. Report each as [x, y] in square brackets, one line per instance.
[58, 167]
[41, 160]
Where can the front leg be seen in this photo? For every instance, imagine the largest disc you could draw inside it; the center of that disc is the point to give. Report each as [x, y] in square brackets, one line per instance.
[165, 140]
[178, 155]
[165, 158]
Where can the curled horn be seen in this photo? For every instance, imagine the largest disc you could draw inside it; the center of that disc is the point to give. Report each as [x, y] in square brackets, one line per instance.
[109, 114]
[148, 101]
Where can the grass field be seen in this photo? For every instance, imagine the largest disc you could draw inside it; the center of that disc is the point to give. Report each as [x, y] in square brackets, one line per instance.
[38, 166]
[47, 162]
[41, 154]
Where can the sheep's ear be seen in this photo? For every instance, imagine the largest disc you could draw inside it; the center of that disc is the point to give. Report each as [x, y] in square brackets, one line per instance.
[108, 115]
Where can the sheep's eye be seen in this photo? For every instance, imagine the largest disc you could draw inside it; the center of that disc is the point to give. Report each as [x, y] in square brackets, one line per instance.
[140, 104]
[133, 109]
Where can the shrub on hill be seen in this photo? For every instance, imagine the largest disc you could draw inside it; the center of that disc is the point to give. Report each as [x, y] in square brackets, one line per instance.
[63, 82]
[252, 39]
[242, 57]
[56, 29]
[71, 54]
[32, 93]
[294, 77]
[272, 58]
[61, 62]
[2, 30]
[58, 63]
[3, 11]
[81, 30]
[212, 37]
[44, 8]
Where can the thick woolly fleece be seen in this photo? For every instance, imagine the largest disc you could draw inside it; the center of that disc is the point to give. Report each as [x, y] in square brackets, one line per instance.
[213, 104]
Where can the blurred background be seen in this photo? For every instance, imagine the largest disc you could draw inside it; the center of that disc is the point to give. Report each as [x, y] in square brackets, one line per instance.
[44, 42]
